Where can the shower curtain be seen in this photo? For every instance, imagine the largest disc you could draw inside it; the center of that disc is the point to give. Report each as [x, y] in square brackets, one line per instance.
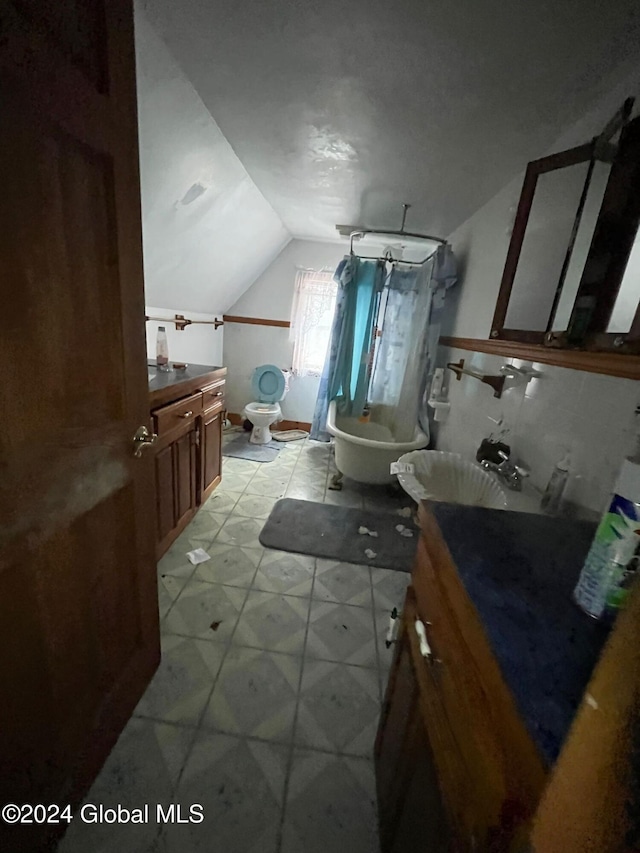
[408, 311]
[410, 318]
[345, 377]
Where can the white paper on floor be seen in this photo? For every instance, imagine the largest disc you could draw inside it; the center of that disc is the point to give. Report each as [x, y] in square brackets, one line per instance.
[364, 531]
[369, 553]
[402, 468]
[404, 531]
[198, 556]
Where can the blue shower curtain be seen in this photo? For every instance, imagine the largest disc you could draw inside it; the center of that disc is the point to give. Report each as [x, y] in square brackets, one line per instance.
[415, 301]
[345, 377]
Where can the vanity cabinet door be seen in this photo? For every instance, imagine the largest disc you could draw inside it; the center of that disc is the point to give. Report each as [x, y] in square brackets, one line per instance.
[185, 472]
[177, 485]
[411, 814]
[211, 450]
[165, 498]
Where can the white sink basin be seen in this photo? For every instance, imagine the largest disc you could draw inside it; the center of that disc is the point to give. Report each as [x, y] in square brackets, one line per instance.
[440, 476]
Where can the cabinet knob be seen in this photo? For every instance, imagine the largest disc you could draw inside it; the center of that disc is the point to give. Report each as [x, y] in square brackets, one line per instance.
[186, 415]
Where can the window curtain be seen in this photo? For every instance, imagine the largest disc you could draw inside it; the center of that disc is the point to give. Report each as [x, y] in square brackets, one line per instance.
[313, 306]
[346, 372]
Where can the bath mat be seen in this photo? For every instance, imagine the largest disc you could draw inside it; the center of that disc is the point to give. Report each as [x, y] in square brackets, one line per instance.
[324, 530]
[241, 448]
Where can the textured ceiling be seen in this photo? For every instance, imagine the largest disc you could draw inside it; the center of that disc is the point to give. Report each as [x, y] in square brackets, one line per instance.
[340, 111]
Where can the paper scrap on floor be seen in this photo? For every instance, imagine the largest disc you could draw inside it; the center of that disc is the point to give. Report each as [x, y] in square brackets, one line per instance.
[198, 556]
[364, 531]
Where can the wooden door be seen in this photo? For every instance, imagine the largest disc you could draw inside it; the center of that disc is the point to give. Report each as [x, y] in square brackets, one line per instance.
[211, 451]
[78, 605]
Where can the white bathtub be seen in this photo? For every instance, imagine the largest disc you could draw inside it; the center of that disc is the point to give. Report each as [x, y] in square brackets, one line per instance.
[364, 451]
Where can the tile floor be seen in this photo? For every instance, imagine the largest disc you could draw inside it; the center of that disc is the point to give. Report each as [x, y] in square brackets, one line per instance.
[268, 721]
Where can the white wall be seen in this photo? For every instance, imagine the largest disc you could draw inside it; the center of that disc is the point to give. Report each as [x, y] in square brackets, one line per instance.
[194, 345]
[271, 297]
[208, 231]
[481, 243]
[588, 414]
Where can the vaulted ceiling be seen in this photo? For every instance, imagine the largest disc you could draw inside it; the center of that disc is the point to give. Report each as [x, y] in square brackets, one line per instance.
[341, 111]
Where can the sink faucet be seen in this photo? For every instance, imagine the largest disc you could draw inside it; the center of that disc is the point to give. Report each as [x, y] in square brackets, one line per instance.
[511, 475]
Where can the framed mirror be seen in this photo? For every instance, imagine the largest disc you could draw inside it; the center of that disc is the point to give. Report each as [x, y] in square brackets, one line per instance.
[572, 272]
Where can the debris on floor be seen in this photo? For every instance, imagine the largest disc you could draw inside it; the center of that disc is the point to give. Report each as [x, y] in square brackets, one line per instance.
[369, 553]
[215, 625]
[335, 484]
[404, 531]
[362, 530]
[405, 512]
[198, 556]
[402, 468]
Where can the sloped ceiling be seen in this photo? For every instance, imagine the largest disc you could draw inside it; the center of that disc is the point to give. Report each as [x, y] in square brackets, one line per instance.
[208, 231]
[340, 111]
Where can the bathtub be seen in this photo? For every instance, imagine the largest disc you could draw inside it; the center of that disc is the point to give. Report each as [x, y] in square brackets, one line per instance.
[364, 451]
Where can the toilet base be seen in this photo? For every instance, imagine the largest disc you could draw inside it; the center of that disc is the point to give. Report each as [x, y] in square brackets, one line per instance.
[260, 435]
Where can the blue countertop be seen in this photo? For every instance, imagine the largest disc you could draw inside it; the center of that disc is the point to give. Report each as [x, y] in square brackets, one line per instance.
[520, 570]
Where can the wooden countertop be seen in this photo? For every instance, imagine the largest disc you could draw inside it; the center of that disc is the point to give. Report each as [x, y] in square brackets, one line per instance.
[167, 387]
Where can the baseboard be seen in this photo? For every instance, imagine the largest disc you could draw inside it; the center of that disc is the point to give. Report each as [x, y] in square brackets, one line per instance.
[238, 420]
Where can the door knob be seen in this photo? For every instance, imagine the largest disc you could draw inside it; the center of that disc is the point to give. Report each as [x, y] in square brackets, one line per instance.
[143, 438]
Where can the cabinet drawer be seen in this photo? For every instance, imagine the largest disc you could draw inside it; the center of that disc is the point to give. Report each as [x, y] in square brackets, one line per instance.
[213, 395]
[177, 414]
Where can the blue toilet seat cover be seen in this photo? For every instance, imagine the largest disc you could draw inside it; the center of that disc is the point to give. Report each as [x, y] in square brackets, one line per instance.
[268, 383]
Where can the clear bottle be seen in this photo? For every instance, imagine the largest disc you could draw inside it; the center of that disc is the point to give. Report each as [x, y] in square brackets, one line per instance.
[162, 350]
[552, 498]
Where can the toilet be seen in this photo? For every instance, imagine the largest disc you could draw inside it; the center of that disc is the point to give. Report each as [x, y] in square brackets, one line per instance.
[269, 386]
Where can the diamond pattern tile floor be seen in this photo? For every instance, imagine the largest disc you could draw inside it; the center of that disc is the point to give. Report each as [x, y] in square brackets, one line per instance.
[265, 705]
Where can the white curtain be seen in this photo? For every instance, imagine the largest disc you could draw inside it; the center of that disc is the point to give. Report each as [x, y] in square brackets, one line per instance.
[311, 318]
[399, 360]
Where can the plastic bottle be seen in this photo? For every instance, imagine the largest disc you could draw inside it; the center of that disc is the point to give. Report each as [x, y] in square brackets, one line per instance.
[613, 560]
[162, 350]
[552, 497]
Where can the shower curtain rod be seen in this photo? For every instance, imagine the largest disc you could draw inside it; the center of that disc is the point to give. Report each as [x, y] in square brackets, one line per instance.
[388, 255]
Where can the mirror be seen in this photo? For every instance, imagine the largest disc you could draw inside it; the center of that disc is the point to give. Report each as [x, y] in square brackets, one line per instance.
[626, 304]
[543, 251]
[582, 243]
[572, 272]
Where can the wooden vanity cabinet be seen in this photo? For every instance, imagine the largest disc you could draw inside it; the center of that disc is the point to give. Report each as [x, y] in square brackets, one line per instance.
[188, 455]
[211, 438]
[176, 467]
[456, 769]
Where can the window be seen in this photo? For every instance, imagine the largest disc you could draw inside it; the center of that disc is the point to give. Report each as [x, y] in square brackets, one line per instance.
[314, 303]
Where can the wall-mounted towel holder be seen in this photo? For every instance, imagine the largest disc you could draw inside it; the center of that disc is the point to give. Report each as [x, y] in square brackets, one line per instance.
[181, 322]
[496, 382]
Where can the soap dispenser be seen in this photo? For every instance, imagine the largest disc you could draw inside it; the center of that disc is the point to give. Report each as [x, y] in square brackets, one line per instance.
[552, 497]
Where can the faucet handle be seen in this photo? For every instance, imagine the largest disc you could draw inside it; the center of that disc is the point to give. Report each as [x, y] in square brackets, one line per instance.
[522, 471]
